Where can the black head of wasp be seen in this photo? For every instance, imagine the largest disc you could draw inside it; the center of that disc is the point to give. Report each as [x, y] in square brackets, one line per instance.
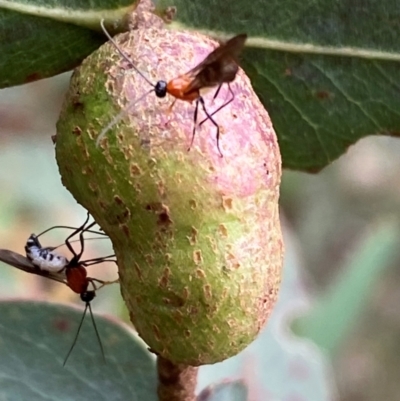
[48, 263]
[219, 67]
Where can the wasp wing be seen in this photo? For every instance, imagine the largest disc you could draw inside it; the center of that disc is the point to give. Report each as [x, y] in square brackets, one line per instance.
[230, 49]
[220, 66]
[22, 263]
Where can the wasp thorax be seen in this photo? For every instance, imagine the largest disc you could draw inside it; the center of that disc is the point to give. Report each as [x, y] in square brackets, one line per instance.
[197, 237]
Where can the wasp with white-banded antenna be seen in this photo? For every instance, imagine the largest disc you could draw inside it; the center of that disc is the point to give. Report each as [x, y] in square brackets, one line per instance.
[46, 262]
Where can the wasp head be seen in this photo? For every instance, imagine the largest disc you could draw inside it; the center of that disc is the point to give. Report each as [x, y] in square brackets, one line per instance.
[160, 88]
[88, 296]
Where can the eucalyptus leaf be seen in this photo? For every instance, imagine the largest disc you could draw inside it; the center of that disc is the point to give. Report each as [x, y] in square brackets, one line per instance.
[225, 391]
[42, 38]
[339, 309]
[34, 340]
[327, 72]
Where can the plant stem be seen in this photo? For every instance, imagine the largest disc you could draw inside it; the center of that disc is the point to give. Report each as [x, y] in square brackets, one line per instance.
[176, 382]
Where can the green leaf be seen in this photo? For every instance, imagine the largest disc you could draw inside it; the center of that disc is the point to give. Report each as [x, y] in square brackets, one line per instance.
[42, 38]
[336, 313]
[35, 338]
[326, 71]
[226, 391]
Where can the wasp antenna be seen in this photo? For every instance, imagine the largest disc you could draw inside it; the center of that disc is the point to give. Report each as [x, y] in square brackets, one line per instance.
[123, 54]
[69, 228]
[77, 333]
[49, 229]
[77, 240]
[53, 228]
[95, 329]
[119, 117]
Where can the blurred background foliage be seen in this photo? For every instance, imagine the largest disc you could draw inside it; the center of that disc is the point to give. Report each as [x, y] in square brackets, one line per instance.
[336, 329]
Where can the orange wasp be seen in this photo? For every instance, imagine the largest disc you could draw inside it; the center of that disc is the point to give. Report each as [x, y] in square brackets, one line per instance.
[218, 68]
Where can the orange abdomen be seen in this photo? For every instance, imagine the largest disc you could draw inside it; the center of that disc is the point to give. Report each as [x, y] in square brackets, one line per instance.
[177, 87]
[77, 279]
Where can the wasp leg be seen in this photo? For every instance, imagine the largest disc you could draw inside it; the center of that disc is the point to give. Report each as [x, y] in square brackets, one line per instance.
[101, 282]
[79, 230]
[221, 107]
[209, 117]
[217, 92]
[196, 109]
